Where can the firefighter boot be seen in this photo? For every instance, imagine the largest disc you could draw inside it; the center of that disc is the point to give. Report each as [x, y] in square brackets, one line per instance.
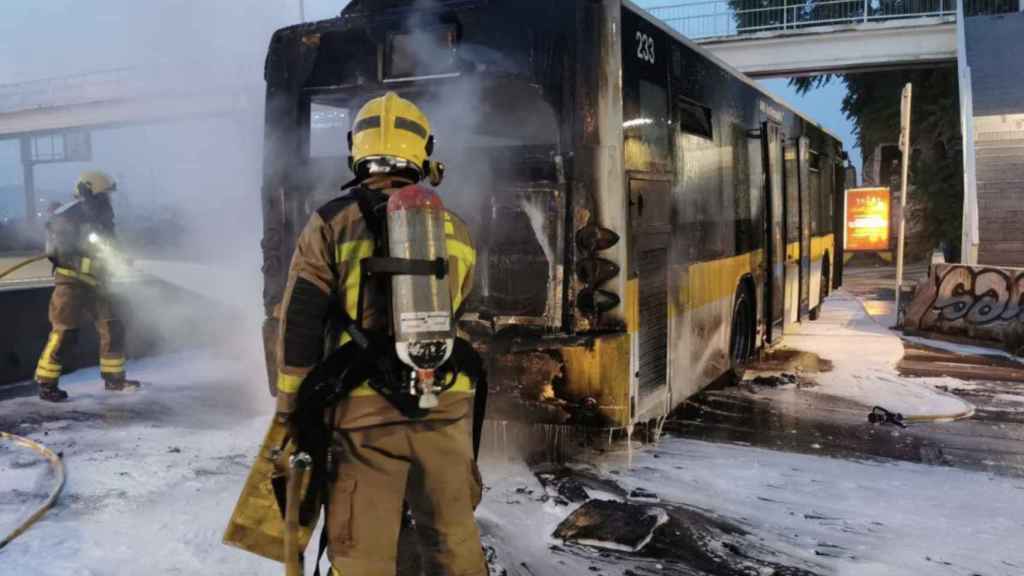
[120, 384]
[50, 392]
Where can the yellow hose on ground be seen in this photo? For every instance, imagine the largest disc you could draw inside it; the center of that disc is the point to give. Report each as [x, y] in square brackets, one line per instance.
[58, 470]
[21, 265]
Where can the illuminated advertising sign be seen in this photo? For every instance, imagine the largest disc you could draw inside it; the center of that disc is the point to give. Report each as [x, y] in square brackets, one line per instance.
[867, 219]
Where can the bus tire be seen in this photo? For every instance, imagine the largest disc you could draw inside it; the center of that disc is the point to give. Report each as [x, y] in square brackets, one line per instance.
[741, 337]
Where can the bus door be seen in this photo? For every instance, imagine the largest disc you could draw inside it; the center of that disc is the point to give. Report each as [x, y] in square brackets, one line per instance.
[771, 144]
[805, 225]
[649, 214]
[838, 223]
[791, 202]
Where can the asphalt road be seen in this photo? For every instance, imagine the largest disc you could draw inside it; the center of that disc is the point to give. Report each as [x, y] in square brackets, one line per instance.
[786, 418]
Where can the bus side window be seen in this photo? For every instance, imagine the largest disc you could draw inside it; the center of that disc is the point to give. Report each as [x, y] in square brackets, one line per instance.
[646, 109]
[693, 118]
[828, 177]
[646, 127]
[792, 186]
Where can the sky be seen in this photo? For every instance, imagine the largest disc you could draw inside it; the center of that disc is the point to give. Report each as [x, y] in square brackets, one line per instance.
[62, 37]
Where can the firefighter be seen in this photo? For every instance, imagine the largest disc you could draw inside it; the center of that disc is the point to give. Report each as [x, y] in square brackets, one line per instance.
[79, 237]
[382, 457]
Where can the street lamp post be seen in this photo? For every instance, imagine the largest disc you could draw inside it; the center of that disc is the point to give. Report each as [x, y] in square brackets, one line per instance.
[905, 100]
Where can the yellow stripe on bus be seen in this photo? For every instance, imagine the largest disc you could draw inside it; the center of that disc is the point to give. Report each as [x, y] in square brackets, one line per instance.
[715, 280]
[822, 244]
[792, 252]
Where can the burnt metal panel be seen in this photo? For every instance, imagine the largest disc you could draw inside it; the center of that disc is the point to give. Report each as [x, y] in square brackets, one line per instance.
[649, 221]
[775, 224]
[806, 190]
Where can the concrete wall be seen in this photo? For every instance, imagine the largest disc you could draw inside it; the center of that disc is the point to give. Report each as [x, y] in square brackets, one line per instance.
[976, 302]
[160, 318]
[994, 47]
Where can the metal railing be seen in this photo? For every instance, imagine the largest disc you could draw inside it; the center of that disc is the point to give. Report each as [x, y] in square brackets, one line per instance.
[722, 18]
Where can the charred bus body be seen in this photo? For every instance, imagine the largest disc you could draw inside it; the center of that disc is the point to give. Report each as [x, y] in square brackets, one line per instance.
[646, 218]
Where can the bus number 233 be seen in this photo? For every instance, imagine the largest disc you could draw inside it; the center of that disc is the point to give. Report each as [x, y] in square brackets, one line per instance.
[644, 47]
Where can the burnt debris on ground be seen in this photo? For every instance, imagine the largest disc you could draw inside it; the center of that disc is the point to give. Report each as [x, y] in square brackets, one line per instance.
[636, 538]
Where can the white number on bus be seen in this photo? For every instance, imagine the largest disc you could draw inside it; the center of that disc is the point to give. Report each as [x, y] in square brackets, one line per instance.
[644, 47]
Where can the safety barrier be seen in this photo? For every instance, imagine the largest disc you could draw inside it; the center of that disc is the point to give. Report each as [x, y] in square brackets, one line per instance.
[980, 303]
[160, 317]
[724, 18]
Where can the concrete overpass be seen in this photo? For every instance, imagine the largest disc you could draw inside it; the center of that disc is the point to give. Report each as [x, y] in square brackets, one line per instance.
[857, 47]
[121, 97]
[797, 37]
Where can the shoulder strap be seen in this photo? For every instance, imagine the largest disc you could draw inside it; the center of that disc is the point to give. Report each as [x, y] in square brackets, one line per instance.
[372, 205]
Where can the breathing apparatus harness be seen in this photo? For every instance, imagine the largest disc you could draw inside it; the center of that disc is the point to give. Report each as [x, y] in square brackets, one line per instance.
[77, 236]
[369, 356]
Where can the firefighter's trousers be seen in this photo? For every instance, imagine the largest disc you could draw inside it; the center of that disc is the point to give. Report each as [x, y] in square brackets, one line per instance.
[71, 304]
[428, 464]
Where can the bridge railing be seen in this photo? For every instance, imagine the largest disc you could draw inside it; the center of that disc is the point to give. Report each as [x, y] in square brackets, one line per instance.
[723, 18]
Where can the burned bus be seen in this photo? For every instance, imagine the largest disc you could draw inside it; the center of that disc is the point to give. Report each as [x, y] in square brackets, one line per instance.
[646, 218]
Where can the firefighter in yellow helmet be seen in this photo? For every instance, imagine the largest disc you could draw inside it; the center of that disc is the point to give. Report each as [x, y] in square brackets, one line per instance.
[381, 456]
[77, 235]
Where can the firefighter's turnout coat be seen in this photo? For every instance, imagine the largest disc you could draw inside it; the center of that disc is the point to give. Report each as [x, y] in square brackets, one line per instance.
[80, 287]
[382, 457]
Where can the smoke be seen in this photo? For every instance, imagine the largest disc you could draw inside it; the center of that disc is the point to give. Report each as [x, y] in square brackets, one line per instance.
[188, 211]
[478, 124]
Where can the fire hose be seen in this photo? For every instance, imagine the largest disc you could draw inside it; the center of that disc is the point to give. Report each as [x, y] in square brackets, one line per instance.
[21, 265]
[58, 470]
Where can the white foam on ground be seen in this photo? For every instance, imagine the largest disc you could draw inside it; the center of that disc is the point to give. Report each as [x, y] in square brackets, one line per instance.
[864, 355]
[884, 517]
[153, 477]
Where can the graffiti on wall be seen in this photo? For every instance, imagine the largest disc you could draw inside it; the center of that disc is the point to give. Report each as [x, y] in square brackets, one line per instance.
[974, 301]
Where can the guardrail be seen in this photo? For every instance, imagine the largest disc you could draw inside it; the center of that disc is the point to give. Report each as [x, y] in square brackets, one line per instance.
[724, 18]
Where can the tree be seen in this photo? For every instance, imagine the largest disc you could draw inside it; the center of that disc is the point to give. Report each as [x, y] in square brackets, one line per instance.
[872, 103]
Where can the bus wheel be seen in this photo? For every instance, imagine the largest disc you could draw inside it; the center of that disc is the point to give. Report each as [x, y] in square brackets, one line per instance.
[741, 344]
[823, 291]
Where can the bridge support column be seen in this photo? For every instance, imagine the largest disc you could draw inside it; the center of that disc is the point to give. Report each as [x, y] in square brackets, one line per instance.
[29, 177]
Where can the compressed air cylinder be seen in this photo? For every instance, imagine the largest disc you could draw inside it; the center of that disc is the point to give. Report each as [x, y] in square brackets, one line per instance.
[421, 309]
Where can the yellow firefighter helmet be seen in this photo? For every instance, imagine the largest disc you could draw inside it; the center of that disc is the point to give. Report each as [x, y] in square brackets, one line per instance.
[94, 182]
[391, 135]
